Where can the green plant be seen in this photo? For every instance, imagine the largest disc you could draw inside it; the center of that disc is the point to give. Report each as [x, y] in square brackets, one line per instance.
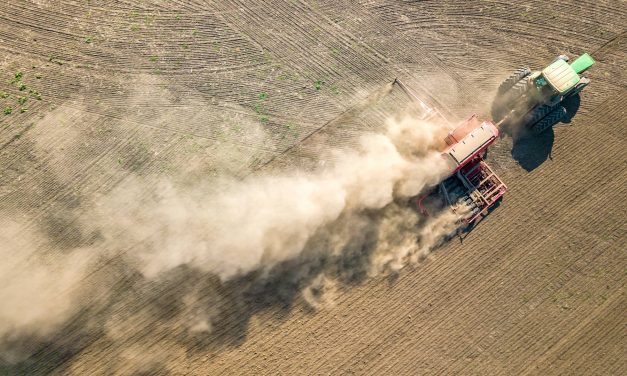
[22, 110]
[263, 117]
[22, 100]
[154, 59]
[8, 110]
[38, 76]
[89, 40]
[318, 84]
[4, 94]
[21, 86]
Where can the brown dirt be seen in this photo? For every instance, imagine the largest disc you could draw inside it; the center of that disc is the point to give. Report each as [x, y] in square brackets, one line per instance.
[163, 88]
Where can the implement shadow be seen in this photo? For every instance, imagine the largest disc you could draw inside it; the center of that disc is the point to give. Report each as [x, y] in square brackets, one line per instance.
[139, 312]
[275, 292]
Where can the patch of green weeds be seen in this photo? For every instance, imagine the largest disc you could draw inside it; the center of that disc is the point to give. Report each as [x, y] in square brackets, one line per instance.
[4, 94]
[35, 94]
[259, 110]
[335, 90]
[22, 100]
[318, 84]
[290, 129]
[21, 86]
[22, 110]
[8, 110]
[154, 59]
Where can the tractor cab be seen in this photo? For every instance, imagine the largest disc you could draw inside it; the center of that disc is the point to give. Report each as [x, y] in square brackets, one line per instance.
[560, 77]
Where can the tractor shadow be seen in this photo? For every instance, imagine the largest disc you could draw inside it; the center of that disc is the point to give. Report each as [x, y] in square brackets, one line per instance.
[532, 150]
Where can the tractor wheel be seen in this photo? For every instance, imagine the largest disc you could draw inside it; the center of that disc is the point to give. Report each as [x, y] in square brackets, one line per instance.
[506, 100]
[538, 114]
[549, 120]
[510, 81]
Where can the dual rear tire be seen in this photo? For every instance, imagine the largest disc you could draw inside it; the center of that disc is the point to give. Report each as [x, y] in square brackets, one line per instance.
[509, 90]
[512, 90]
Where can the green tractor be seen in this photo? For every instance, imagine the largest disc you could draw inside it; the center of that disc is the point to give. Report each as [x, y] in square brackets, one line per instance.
[534, 99]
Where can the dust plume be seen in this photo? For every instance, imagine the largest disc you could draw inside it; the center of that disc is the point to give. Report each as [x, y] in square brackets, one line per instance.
[37, 293]
[222, 240]
[231, 228]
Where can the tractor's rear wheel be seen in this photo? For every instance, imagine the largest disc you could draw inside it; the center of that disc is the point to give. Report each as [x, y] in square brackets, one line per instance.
[510, 81]
[509, 90]
[549, 120]
[538, 114]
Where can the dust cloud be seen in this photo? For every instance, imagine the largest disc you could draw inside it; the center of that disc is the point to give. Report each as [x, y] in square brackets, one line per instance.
[356, 207]
[234, 227]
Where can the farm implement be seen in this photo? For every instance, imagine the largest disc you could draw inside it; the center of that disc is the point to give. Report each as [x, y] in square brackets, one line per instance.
[472, 187]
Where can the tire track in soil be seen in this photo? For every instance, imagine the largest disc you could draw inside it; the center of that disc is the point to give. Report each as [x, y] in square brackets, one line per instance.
[563, 344]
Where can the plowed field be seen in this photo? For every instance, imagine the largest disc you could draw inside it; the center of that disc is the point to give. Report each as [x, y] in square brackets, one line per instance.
[193, 89]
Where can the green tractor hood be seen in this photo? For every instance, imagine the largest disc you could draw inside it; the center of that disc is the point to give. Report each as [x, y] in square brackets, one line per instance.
[563, 76]
[582, 63]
